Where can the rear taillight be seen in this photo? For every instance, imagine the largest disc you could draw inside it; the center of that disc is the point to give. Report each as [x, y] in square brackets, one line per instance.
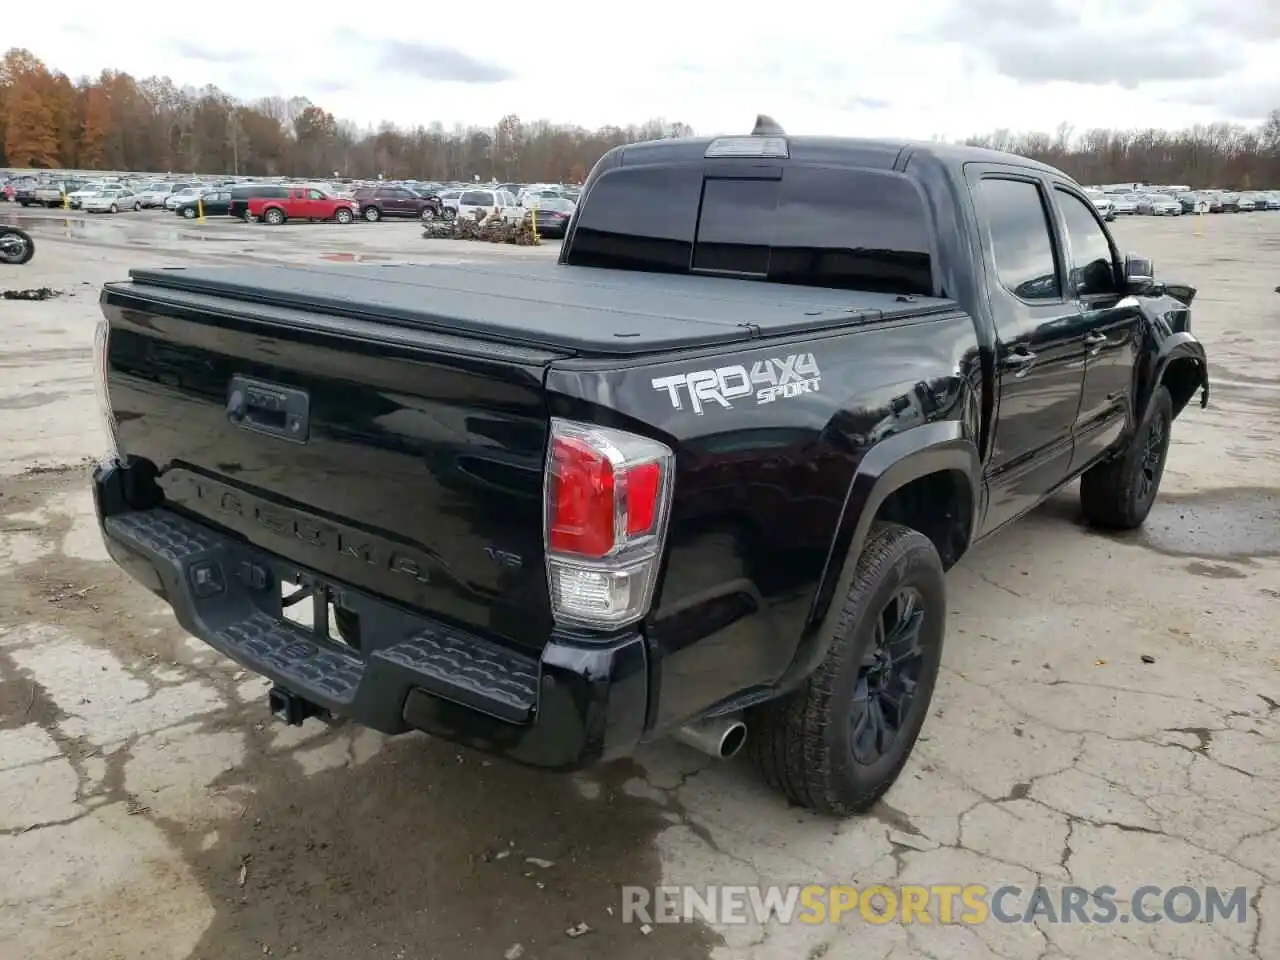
[608, 493]
[101, 337]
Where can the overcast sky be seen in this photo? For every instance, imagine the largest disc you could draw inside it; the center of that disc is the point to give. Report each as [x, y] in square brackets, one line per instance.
[912, 68]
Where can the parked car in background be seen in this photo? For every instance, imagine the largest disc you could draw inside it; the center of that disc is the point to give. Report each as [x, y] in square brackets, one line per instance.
[241, 193]
[1104, 204]
[492, 203]
[449, 200]
[186, 195]
[154, 194]
[1124, 205]
[1273, 199]
[1212, 198]
[393, 200]
[1255, 200]
[1159, 205]
[24, 193]
[93, 186]
[210, 204]
[302, 203]
[552, 216]
[52, 193]
[110, 200]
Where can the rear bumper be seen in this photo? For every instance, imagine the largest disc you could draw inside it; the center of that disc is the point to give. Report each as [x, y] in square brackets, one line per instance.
[573, 706]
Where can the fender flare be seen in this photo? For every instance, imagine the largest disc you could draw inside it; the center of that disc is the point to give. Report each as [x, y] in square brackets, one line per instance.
[888, 466]
[1182, 345]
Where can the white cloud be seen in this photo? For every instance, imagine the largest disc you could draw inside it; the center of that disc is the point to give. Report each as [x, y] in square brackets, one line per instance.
[901, 69]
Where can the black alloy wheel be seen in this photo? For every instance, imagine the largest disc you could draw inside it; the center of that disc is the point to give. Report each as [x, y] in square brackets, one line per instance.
[887, 679]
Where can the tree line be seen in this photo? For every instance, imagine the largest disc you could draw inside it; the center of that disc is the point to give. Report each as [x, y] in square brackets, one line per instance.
[117, 122]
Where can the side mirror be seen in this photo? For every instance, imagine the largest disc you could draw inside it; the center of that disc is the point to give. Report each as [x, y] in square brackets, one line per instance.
[1139, 275]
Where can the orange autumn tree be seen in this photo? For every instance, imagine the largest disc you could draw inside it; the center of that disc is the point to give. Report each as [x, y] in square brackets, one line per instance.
[30, 131]
[95, 129]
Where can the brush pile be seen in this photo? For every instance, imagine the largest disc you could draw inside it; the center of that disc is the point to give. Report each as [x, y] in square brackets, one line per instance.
[485, 228]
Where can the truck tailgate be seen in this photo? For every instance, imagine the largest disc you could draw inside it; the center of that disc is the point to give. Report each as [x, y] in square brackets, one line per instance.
[401, 462]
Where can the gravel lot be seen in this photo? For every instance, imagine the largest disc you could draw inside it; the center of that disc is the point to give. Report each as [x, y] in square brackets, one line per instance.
[149, 809]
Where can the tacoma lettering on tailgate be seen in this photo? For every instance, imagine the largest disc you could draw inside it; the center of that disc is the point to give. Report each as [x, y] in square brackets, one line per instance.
[769, 380]
[240, 511]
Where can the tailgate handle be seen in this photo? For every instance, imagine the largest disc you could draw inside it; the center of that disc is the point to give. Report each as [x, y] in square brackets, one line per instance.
[269, 408]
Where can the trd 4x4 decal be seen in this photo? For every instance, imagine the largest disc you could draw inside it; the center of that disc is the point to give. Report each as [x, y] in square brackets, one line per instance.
[769, 380]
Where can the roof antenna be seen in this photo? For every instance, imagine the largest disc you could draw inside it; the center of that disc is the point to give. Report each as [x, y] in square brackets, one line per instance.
[766, 126]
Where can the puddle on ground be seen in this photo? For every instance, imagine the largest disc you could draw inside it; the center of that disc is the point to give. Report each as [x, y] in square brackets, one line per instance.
[1230, 524]
[1214, 571]
[115, 228]
[29, 401]
[355, 257]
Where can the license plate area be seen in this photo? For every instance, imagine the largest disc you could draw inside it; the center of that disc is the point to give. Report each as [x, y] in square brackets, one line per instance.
[311, 605]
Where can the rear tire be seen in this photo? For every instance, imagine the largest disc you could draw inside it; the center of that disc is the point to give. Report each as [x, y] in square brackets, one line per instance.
[1118, 494]
[819, 745]
[189, 213]
[274, 217]
[449, 213]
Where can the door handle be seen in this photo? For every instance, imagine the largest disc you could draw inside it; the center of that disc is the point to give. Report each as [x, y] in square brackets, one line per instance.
[1095, 339]
[1019, 361]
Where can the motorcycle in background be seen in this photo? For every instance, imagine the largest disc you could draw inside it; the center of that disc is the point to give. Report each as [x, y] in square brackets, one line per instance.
[16, 246]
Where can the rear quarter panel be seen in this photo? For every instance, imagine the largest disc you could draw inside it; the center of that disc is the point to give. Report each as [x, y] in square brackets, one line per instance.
[762, 483]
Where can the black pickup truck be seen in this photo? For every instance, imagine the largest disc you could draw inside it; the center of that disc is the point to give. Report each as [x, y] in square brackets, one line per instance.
[702, 477]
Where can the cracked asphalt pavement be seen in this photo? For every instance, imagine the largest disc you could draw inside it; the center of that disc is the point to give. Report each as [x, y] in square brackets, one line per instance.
[1109, 711]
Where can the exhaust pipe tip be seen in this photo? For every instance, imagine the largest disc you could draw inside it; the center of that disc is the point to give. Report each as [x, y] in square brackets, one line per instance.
[719, 737]
[734, 739]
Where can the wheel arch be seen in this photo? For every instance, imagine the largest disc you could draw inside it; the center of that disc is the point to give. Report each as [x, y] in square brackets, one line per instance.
[927, 478]
[1183, 369]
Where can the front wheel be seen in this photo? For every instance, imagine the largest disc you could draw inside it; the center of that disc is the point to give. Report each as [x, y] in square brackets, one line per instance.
[372, 214]
[114, 208]
[428, 214]
[836, 744]
[449, 213]
[16, 246]
[136, 206]
[189, 213]
[1119, 493]
[343, 215]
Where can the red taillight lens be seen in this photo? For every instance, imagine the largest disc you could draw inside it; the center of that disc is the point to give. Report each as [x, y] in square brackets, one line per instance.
[643, 487]
[582, 499]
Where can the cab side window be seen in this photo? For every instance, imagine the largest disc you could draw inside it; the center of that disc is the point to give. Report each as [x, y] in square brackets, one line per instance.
[1021, 238]
[1093, 268]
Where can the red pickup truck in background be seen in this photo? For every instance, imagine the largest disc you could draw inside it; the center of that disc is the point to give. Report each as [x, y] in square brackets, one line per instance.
[302, 203]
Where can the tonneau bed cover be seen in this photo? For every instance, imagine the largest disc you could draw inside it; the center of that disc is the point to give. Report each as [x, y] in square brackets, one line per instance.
[584, 311]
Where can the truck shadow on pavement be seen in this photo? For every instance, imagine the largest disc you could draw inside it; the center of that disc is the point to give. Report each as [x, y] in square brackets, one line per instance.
[427, 850]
